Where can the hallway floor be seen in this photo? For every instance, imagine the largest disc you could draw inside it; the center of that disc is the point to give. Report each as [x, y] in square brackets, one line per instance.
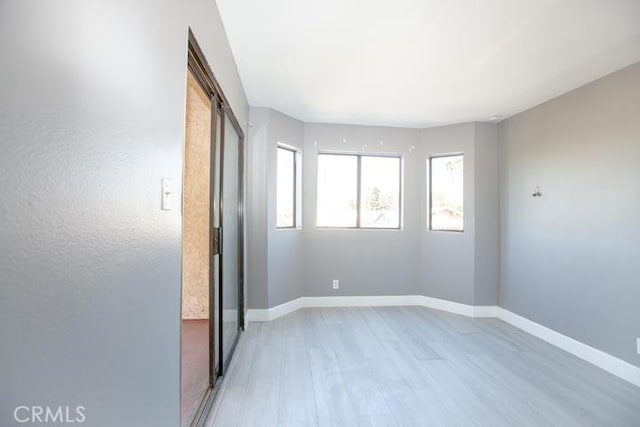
[412, 366]
[195, 365]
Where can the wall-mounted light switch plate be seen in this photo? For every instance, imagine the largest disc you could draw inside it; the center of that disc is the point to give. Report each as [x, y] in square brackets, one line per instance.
[336, 284]
[638, 345]
[167, 194]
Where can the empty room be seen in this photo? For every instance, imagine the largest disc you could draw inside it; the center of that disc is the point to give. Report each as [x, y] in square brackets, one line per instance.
[320, 213]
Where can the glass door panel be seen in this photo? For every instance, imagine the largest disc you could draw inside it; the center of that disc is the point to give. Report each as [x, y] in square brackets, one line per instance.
[216, 221]
[230, 237]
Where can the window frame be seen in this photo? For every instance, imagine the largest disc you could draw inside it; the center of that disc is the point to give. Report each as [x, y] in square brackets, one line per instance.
[359, 157]
[430, 195]
[297, 155]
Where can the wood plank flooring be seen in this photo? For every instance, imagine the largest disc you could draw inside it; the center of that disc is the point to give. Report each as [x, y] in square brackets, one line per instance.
[412, 366]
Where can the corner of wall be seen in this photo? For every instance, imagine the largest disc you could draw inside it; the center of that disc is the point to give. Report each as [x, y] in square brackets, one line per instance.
[279, 262]
[447, 259]
[256, 284]
[486, 244]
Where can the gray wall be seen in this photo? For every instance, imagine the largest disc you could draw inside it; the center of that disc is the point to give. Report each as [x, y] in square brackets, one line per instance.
[92, 103]
[570, 259]
[286, 257]
[276, 260]
[455, 266]
[257, 168]
[463, 267]
[487, 223]
[447, 258]
[367, 262]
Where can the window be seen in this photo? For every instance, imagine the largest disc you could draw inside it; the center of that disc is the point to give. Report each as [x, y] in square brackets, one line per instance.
[446, 195]
[357, 191]
[287, 189]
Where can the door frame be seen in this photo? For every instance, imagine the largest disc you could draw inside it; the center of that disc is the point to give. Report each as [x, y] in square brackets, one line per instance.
[199, 67]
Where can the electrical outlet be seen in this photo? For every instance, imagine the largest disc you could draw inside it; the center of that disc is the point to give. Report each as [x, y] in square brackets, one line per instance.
[638, 345]
[336, 284]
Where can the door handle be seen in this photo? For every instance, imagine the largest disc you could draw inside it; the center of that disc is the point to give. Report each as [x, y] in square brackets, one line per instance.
[216, 240]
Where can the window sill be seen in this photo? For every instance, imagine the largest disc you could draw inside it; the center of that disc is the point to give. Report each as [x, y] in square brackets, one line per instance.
[357, 228]
[288, 229]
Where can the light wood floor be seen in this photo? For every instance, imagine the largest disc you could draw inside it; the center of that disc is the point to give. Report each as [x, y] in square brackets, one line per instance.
[411, 366]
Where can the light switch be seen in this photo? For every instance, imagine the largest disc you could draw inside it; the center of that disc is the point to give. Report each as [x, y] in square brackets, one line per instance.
[167, 194]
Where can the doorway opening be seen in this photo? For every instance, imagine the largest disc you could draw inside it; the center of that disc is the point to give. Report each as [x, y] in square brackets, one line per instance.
[212, 247]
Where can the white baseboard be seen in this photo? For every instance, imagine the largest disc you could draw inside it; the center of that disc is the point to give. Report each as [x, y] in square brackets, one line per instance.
[364, 301]
[458, 308]
[485, 311]
[599, 358]
[265, 315]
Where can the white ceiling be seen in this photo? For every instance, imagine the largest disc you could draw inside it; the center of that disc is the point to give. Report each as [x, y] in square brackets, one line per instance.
[422, 63]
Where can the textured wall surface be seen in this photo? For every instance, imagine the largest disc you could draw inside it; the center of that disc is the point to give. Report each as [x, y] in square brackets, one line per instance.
[196, 203]
[569, 259]
[92, 110]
